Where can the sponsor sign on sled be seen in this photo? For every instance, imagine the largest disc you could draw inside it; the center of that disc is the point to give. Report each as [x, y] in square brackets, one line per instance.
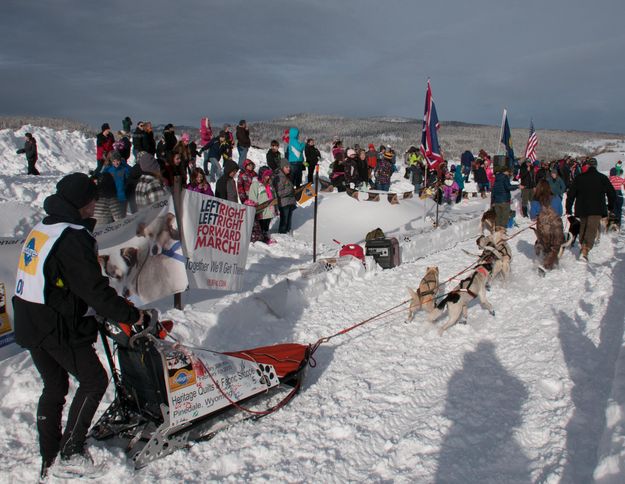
[201, 382]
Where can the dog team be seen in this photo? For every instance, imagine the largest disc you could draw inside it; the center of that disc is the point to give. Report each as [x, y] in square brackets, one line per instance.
[494, 261]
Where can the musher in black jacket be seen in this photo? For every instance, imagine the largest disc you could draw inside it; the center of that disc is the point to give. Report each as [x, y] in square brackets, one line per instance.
[59, 282]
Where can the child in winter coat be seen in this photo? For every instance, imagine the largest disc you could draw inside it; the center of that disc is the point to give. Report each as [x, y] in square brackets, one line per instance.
[337, 150]
[350, 168]
[226, 187]
[363, 169]
[260, 192]
[119, 170]
[198, 183]
[285, 193]
[337, 173]
[383, 172]
[459, 179]
[174, 168]
[104, 145]
[274, 156]
[313, 156]
[481, 178]
[372, 162]
[216, 148]
[246, 177]
[107, 208]
[450, 189]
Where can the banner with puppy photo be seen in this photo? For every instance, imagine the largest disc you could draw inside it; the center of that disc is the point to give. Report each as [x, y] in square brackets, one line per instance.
[10, 249]
[216, 237]
[142, 254]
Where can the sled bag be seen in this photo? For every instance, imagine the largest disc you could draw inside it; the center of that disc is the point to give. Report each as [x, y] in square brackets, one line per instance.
[142, 376]
[354, 250]
[375, 234]
[385, 252]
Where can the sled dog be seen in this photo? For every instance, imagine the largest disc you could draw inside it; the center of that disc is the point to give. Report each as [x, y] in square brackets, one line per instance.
[458, 299]
[425, 295]
[574, 226]
[488, 221]
[496, 250]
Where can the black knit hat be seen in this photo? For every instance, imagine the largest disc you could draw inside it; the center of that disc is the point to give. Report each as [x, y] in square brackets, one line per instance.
[77, 189]
[105, 126]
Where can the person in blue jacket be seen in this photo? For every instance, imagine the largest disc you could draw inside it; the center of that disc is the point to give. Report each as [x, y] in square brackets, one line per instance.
[500, 197]
[295, 156]
[459, 179]
[466, 160]
[119, 170]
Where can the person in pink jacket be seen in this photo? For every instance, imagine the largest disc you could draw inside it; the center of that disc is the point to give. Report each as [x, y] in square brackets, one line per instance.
[450, 189]
[198, 183]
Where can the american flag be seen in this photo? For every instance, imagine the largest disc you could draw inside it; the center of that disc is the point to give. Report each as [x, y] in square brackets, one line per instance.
[532, 143]
[429, 139]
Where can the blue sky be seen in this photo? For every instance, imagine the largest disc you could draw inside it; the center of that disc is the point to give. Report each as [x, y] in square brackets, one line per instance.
[559, 62]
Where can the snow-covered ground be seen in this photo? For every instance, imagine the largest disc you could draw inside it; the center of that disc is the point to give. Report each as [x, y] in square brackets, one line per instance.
[533, 394]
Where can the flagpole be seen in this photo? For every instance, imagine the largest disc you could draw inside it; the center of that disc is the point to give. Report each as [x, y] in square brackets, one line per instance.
[503, 117]
[315, 214]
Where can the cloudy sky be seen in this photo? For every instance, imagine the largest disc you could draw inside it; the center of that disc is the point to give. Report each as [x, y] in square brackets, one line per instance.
[560, 62]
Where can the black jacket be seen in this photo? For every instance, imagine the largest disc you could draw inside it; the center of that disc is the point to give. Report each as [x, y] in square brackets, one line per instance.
[147, 143]
[312, 155]
[243, 137]
[137, 139]
[527, 176]
[221, 188]
[74, 261]
[589, 191]
[273, 159]
[170, 140]
[30, 150]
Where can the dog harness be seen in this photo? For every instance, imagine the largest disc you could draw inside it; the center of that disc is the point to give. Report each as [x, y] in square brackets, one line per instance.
[480, 269]
[429, 291]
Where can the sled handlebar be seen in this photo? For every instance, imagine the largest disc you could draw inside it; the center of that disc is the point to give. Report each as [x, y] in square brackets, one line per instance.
[150, 329]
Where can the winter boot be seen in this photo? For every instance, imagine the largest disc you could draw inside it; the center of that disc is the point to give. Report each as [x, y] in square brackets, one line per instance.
[524, 210]
[77, 466]
[45, 470]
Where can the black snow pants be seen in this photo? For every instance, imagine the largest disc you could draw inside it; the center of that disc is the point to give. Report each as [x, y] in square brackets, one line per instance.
[54, 365]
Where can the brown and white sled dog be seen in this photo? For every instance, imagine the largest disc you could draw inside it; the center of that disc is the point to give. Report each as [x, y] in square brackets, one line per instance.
[425, 295]
[496, 250]
[488, 221]
[458, 299]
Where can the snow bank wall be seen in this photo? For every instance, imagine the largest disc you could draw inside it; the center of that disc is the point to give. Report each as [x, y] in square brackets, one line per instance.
[435, 240]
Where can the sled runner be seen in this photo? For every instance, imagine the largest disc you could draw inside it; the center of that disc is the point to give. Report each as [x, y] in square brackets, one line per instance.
[168, 395]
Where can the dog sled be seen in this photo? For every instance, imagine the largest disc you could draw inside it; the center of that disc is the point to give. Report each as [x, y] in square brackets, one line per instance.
[168, 395]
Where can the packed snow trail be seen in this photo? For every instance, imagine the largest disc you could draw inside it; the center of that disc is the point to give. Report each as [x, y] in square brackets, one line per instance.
[519, 397]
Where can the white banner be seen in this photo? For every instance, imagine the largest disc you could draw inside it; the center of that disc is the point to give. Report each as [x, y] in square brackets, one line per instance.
[10, 249]
[142, 254]
[197, 381]
[216, 237]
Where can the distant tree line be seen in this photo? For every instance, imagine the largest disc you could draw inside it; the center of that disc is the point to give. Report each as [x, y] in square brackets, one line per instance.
[400, 133]
[16, 122]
